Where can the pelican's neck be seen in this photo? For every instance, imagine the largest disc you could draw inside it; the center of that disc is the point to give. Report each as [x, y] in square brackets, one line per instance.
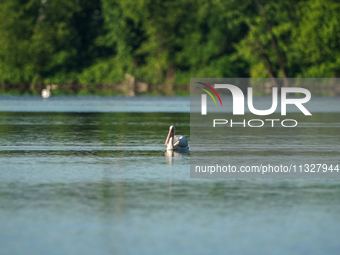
[170, 144]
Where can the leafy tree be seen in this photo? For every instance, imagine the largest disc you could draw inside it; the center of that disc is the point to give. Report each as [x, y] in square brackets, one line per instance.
[97, 43]
[267, 46]
[317, 39]
[48, 40]
[171, 41]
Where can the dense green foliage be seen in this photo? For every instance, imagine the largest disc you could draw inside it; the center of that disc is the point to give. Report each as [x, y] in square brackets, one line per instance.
[91, 44]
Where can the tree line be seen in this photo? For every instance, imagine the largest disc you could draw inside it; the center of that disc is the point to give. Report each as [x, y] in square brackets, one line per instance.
[158, 45]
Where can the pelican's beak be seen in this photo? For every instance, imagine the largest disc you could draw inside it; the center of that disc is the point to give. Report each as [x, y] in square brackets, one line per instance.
[171, 133]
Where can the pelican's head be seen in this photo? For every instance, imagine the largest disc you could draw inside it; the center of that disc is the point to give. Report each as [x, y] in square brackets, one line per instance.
[170, 134]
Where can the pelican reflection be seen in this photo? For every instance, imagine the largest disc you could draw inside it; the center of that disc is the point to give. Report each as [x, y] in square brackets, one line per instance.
[171, 155]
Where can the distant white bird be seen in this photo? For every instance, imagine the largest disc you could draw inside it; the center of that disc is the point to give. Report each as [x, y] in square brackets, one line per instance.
[46, 93]
[175, 142]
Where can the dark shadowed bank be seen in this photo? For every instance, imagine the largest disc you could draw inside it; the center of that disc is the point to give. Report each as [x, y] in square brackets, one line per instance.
[129, 86]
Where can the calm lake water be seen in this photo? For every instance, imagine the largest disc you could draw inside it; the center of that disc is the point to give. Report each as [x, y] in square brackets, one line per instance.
[89, 175]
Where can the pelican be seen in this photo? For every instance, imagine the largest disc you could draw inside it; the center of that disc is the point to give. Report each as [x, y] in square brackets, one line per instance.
[175, 142]
[46, 93]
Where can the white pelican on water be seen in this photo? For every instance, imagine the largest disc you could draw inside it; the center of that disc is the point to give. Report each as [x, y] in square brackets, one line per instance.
[175, 142]
[46, 93]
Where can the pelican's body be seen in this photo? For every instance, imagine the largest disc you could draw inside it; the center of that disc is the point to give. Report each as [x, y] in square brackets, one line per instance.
[175, 142]
[46, 93]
